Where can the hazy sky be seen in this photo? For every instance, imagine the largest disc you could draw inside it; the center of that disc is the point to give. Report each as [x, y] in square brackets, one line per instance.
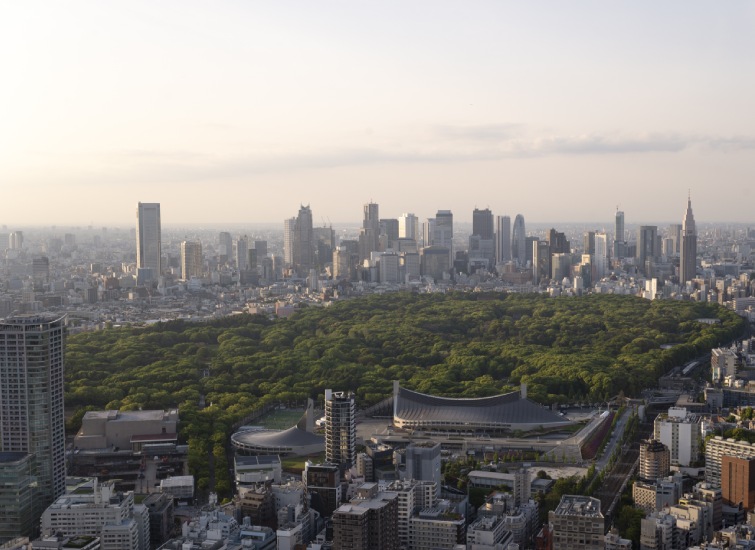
[240, 111]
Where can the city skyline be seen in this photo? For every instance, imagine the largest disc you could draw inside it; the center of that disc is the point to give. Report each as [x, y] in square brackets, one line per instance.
[226, 111]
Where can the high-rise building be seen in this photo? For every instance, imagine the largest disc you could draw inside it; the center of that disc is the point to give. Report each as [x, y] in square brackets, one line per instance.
[681, 432]
[600, 257]
[408, 227]
[340, 428]
[31, 399]
[324, 486]
[191, 259]
[541, 261]
[619, 238]
[435, 262]
[443, 232]
[16, 240]
[369, 237]
[518, 241]
[370, 521]
[423, 463]
[647, 238]
[17, 481]
[388, 233]
[503, 239]
[341, 263]
[148, 237]
[688, 253]
[304, 248]
[588, 242]
[482, 251]
[241, 253]
[260, 247]
[738, 481]
[482, 223]
[324, 242]
[40, 268]
[655, 460]
[428, 232]
[289, 228]
[225, 246]
[675, 234]
[558, 243]
[560, 266]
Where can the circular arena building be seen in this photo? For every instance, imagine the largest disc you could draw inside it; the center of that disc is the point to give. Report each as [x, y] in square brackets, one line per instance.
[299, 440]
[500, 413]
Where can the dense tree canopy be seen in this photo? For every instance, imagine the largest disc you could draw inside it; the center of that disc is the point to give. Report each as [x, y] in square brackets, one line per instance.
[460, 344]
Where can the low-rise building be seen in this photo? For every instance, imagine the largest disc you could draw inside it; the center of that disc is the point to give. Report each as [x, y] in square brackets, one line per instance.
[434, 528]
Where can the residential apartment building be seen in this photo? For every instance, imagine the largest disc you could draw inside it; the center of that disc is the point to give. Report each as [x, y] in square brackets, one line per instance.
[681, 432]
[577, 523]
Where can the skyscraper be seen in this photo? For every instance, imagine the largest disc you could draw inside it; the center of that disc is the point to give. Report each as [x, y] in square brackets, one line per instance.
[370, 234]
[31, 399]
[241, 253]
[541, 261]
[558, 243]
[443, 232]
[647, 237]
[191, 259]
[303, 242]
[503, 239]
[408, 227]
[588, 242]
[340, 428]
[148, 237]
[688, 257]
[600, 257]
[482, 223]
[225, 248]
[481, 241]
[289, 227]
[518, 241]
[619, 242]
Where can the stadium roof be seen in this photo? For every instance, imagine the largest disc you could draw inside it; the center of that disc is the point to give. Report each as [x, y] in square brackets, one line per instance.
[510, 410]
[291, 437]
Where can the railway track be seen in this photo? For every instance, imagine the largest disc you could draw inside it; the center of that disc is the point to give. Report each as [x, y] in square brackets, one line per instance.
[615, 481]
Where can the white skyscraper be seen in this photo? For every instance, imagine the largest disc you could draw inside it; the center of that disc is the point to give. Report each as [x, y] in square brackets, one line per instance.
[408, 227]
[148, 237]
[600, 259]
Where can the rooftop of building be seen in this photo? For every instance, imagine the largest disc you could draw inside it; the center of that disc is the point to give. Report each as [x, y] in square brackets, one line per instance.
[505, 409]
[130, 416]
[290, 438]
[8, 457]
[577, 505]
[177, 481]
[484, 523]
[258, 460]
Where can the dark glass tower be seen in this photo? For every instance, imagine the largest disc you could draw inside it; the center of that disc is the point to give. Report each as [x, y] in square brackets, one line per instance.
[31, 399]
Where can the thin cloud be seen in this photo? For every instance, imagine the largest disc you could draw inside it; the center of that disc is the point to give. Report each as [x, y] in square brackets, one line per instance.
[187, 166]
[480, 132]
